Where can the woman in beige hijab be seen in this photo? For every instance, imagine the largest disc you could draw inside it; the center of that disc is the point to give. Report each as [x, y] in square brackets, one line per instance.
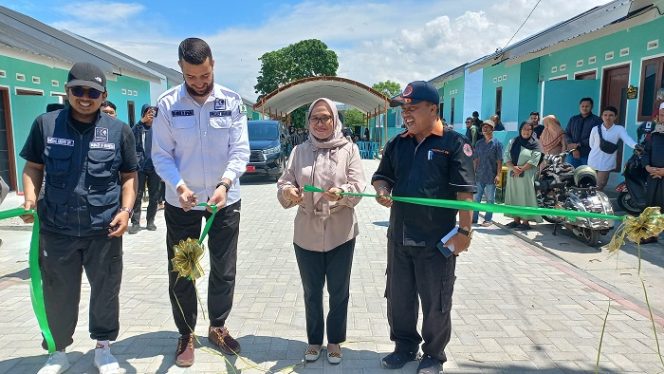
[553, 136]
[325, 224]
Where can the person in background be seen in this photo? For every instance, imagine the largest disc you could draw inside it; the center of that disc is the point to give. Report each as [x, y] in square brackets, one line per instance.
[604, 143]
[534, 120]
[325, 224]
[52, 107]
[472, 131]
[552, 138]
[476, 119]
[653, 159]
[488, 163]
[146, 171]
[496, 119]
[522, 157]
[577, 132]
[109, 108]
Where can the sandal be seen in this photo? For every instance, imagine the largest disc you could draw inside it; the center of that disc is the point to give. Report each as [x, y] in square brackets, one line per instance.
[513, 224]
[334, 358]
[524, 226]
[312, 353]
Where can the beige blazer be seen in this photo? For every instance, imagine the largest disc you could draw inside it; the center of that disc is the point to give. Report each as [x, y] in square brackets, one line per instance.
[321, 232]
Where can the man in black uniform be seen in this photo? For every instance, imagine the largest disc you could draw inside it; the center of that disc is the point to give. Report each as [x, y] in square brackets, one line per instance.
[577, 132]
[146, 171]
[87, 164]
[424, 161]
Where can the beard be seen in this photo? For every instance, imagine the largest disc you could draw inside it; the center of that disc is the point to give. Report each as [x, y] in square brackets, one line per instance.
[207, 89]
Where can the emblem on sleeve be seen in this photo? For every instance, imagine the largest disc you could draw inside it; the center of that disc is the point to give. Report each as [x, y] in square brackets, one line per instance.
[243, 109]
[467, 150]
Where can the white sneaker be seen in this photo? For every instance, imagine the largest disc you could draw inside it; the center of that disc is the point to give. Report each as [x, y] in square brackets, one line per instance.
[57, 363]
[105, 362]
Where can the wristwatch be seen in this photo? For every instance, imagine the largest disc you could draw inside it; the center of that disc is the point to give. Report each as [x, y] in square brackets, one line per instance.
[128, 210]
[226, 185]
[466, 231]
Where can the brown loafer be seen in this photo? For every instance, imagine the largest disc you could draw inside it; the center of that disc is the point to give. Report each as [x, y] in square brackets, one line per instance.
[220, 337]
[184, 355]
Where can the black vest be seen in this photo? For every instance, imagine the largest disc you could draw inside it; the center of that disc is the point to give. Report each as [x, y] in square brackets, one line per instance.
[82, 180]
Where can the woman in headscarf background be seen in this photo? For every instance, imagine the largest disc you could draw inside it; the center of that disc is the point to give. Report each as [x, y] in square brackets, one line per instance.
[325, 224]
[653, 159]
[522, 156]
[552, 139]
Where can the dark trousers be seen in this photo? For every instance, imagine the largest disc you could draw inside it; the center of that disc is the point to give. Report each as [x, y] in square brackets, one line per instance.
[154, 184]
[423, 272]
[315, 268]
[222, 245]
[62, 259]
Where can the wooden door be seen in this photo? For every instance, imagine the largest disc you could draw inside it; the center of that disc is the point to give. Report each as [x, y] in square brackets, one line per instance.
[7, 161]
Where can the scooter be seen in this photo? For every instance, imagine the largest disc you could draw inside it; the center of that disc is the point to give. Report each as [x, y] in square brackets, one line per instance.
[561, 186]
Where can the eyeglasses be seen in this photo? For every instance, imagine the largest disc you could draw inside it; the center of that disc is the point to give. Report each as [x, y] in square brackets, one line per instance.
[322, 119]
[79, 91]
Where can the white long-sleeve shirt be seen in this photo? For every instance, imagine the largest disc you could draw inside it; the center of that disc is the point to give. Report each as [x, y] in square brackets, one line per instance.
[600, 160]
[198, 145]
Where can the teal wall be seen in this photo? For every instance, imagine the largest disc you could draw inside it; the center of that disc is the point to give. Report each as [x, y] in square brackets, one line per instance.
[453, 88]
[507, 77]
[529, 91]
[634, 38]
[25, 108]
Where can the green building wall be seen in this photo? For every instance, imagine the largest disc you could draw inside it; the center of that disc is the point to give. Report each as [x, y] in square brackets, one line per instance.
[24, 109]
[453, 89]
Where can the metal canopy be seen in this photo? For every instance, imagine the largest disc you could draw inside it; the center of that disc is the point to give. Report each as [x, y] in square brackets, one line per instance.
[285, 99]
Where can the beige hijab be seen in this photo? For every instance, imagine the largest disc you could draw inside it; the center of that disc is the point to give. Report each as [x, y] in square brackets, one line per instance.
[552, 135]
[325, 161]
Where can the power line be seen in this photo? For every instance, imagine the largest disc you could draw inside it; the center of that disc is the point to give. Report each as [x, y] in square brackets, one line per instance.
[522, 24]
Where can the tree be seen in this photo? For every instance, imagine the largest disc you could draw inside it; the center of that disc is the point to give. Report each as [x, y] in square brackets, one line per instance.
[353, 117]
[388, 88]
[307, 58]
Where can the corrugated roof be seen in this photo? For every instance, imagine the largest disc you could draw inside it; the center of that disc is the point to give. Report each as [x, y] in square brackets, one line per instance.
[174, 76]
[27, 34]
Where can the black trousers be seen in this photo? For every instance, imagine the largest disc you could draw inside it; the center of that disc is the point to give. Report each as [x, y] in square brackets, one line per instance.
[423, 272]
[62, 259]
[154, 185]
[315, 268]
[222, 246]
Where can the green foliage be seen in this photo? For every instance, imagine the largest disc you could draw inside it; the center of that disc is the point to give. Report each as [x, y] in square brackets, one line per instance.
[388, 88]
[307, 58]
[353, 117]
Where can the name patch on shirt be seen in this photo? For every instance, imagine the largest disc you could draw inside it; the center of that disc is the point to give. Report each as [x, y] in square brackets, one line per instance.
[182, 113]
[60, 141]
[102, 145]
[220, 113]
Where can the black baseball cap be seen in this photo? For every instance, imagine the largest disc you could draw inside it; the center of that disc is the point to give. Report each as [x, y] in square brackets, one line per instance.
[416, 92]
[86, 75]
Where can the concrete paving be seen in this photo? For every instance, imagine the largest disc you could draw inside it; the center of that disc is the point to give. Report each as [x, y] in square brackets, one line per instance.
[520, 306]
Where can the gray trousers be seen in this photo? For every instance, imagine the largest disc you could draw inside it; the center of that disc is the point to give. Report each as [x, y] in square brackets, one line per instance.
[62, 259]
[423, 272]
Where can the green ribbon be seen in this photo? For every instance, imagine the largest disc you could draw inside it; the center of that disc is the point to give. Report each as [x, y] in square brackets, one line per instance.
[483, 207]
[208, 223]
[36, 291]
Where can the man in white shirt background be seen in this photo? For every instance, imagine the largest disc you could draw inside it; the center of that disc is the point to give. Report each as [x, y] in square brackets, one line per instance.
[604, 144]
[200, 149]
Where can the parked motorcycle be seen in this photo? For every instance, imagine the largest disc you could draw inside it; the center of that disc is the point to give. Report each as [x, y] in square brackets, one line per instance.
[632, 192]
[561, 186]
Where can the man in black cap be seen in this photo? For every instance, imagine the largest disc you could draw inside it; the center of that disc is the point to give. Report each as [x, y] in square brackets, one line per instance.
[87, 164]
[423, 161]
[146, 171]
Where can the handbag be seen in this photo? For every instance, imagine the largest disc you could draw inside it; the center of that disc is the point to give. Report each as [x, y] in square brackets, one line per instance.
[605, 145]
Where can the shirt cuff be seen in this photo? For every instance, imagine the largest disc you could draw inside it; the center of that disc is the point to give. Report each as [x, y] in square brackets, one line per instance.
[231, 175]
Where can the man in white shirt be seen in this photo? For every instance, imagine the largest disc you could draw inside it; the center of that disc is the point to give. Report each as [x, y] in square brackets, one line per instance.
[200, 149]
[604, 142]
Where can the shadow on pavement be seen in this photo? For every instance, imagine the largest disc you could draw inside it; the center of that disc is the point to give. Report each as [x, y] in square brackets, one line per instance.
[32, 364]
[259, 354]
[21, 274]
[479, 368]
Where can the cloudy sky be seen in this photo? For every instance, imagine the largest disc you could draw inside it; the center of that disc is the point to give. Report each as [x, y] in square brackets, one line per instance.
[399, 40]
